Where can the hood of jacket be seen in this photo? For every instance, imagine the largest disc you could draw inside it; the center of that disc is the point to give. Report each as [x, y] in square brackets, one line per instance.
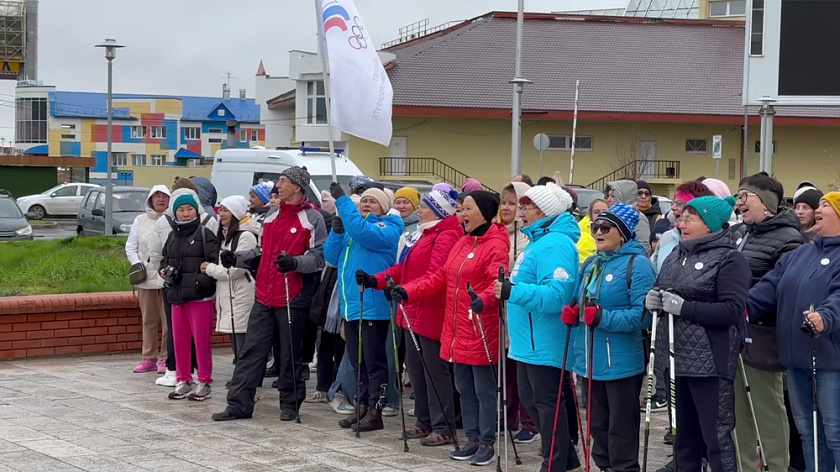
[150, 211]
[564, 224]
[519, 188]
[206, 194]
[175, 195]
[250, 224]
[625, 191]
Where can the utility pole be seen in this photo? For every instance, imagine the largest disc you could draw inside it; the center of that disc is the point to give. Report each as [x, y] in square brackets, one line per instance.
[110, 46]
[518, 86]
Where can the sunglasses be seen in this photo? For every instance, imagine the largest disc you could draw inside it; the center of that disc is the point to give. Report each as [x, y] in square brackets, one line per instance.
[603, 226]
[643, 193]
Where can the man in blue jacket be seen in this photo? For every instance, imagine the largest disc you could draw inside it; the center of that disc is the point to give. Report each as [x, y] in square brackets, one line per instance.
[364, 239]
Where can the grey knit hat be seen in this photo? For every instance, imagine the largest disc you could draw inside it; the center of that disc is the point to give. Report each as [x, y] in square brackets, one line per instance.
[298, 175]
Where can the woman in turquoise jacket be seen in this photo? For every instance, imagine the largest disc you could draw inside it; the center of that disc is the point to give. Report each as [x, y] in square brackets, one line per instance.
[611, 294]
[364, 239]
[542, 282]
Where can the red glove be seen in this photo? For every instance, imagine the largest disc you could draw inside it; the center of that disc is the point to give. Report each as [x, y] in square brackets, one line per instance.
[569, 315]
[592, 315]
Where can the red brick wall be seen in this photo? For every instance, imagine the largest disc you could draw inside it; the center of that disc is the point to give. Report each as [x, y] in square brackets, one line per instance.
[54, 325]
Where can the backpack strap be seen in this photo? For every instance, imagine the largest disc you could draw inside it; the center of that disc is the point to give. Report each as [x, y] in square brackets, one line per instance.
[170, 221]
[630, 274]
[234, 242]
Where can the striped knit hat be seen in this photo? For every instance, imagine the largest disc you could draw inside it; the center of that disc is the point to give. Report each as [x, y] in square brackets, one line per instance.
[441, 203]
[624, 217]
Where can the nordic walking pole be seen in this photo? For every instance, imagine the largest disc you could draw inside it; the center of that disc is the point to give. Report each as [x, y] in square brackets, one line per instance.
[397, 368]
[490, 359]
[761, 457]
[651, 384]
[559, 397]
[809, 328]
[671, 381]
[232, 324]
[359, 358]
[589, 371]
[292, 347]
[449, 424]
[502, 365]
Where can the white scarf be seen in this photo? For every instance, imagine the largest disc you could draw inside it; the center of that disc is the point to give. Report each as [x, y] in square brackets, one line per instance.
[415, 236]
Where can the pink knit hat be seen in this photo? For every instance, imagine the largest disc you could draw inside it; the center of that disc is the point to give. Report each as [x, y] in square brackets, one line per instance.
[471, 185]
[720, 189]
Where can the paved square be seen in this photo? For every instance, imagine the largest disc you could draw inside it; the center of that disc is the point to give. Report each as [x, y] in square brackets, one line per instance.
[93, 413]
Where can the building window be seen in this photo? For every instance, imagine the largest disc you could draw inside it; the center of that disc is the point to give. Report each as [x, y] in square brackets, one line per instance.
[138, 132]
[158, 132]
[158, 159]
[255, 135]
[138, 160]
[66, 126]
[215, 140]
[695, 146]
[316, 103]
[758, 147]
[564, 143]
[215, 131]
[728, 8]
[119, 159]
[31, 120]
[757, 29]
[192, 134]
[221, 112]
[68, 136]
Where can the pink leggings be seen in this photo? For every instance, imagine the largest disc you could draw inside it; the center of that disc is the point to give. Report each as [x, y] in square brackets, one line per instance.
[193, 320]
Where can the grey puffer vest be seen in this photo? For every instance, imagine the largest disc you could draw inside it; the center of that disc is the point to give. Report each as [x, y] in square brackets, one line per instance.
[691, 271]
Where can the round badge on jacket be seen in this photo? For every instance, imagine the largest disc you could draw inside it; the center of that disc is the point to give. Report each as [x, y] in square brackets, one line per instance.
[608, 278]
[825, 261]
[470, 255]
[698, 266]
[293, 230]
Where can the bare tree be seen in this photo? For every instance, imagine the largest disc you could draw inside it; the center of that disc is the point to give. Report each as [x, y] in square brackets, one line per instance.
[626, 158]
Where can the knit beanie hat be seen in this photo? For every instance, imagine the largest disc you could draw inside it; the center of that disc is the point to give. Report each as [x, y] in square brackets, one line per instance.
[659, 228]
[237, 205]
[550, 199]
[810, 197]
[186, 199]
[390, 194]
[714, 211]
[833, 199]
[641, 184]
[263, 190]
[298, 176]
[720, 189]
[471, 185]
[327, 202]
[768, 197]
[409, 193]
[184, 182]
[380, 197]
[802, 190]
[441, 203]
[487, 202]
[624, 217]
[443, 186]
[357, 181]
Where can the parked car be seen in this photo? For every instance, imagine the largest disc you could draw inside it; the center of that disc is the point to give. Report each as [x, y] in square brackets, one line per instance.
[127, 203]
[13, 224]
[585, 196]
[62, 200]
[664, 205]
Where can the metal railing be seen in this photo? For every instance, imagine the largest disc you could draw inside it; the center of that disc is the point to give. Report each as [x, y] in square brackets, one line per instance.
[640, 170]
[422, 167]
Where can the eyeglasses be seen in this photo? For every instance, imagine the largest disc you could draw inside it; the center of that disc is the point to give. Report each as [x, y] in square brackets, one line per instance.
[523, 209]
[643, 193]
[604, 227]
[687, 220]
[679, 203]
[743, 196]
[368, 201]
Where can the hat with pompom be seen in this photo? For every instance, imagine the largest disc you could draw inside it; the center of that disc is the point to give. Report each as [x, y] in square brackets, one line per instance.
[624, 217]
[714, 211]
[550, 198]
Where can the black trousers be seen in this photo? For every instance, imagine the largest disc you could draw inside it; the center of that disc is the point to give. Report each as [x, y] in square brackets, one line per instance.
[374, 367]
[310, 339]
[330, 351]
[571, 407]
[240, 343]
[539, 388]
[432, 413]
[170, 341]
[705, 415]
[615, 423]
[264, 326]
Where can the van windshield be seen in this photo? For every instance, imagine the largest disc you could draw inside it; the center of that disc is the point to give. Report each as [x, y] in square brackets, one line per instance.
[322, 182]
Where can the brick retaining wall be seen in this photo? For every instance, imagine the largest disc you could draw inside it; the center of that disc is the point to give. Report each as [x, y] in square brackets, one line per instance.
[53, 325]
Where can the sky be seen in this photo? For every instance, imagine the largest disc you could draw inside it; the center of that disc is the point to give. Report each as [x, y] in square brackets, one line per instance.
[187, 47]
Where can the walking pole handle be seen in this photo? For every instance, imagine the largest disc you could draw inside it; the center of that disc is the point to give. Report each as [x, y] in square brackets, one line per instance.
[501, 274]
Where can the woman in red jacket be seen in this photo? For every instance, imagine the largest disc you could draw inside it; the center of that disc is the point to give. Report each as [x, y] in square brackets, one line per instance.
[471, 323]
[425, 252]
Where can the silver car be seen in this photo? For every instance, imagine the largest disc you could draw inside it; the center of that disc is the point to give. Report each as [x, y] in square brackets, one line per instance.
[61, 200]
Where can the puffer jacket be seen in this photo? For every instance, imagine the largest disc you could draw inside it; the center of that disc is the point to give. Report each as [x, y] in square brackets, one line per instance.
[807, 275]
[240, 279]
[163, 225]
[618, 350]
[369, 244]
[763, 244]
[543, 283]
[626, 191]
[669, 241]
[426, 256]
[713, 279]
[474, 260]
[138, 246]
[185, 250]
[586, 243]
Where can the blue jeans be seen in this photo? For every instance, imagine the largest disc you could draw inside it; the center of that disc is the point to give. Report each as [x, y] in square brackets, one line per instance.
[477, 386]
[800, 389]
[345, 381]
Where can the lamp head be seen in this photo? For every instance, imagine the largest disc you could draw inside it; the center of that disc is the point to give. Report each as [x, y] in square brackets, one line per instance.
[110, 46]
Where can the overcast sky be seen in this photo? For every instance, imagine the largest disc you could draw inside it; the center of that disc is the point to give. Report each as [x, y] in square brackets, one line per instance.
[186, 47]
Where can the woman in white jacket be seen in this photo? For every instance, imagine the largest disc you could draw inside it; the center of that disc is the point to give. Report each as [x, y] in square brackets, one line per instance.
[150, 292]
[237, 232]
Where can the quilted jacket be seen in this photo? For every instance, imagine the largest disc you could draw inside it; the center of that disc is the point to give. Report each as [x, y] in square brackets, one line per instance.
[713, 278]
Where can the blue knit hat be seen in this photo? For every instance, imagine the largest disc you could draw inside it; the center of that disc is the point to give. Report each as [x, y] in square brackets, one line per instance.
[624, 217]
[263, 190]
[185, 199]
[714, 211]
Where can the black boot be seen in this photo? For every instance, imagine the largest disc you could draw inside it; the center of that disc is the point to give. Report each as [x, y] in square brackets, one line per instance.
[371, 422]
[353, 419]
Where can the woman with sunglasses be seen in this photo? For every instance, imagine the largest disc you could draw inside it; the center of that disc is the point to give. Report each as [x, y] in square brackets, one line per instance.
[647, 204]
[610, 295]
[703, 285]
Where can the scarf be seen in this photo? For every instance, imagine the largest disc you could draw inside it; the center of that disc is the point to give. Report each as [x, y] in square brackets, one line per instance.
[415, 236]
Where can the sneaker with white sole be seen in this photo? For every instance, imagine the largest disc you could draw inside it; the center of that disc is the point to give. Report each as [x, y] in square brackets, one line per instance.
[161, 366]
[526, 437]
[201, 393]
[182, 390]
[168, 379]
[390, 411]
[146, 365]
[411, 412]
[340, 405]
[316, 397]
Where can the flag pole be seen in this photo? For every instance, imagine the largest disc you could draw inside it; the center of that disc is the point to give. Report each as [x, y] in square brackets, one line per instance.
[574, 135]
[324, 70]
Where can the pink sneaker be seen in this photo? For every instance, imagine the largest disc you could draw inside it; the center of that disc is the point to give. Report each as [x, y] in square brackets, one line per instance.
[146, 365]
[161, 366]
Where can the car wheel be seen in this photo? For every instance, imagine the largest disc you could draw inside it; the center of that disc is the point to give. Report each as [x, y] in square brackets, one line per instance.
[80, 232]
[38, 212]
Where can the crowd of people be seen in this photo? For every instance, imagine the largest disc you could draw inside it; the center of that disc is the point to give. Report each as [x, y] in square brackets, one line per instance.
[508, 312]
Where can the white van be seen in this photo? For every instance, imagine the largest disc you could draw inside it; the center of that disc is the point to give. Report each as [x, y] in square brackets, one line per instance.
[235, 171]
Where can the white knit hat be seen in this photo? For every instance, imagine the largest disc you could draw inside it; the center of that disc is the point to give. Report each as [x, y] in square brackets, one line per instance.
[381, 197]
[550, 199]
[237, 205]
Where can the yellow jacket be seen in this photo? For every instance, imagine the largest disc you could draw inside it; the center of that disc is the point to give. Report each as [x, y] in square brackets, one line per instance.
[586, 244]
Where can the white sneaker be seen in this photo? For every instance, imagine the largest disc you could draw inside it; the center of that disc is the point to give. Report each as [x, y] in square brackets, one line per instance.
[411, 412]
[169, 379]
[389, 411]
[340, 405]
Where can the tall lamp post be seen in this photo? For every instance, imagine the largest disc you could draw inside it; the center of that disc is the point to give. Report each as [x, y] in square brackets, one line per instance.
[111, 47]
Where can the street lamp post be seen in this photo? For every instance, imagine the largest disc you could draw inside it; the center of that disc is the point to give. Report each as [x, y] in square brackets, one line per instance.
[111, 47]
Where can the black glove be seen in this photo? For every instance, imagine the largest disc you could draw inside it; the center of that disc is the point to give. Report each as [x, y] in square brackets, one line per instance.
[337, 225]
[285, 263]
[362, 278]
[476, 304]
[506, 287]
[228, 259]
[387, 291]
[336, 191]
[398, 294]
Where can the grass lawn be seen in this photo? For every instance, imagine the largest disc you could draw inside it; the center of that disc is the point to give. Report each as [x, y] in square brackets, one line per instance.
[72, 265]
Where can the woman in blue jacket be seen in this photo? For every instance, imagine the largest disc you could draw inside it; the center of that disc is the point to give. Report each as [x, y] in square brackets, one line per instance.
[542, 282]
[611, 294]
[805, 277]
[364, 239]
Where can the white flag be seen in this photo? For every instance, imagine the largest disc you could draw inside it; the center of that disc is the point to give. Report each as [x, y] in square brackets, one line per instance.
[360, 92]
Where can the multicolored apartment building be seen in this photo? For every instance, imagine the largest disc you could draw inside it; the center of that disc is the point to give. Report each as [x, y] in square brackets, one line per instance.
[151, 134]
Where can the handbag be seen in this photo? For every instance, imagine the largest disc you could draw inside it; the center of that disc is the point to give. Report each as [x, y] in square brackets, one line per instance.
[137, 273]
